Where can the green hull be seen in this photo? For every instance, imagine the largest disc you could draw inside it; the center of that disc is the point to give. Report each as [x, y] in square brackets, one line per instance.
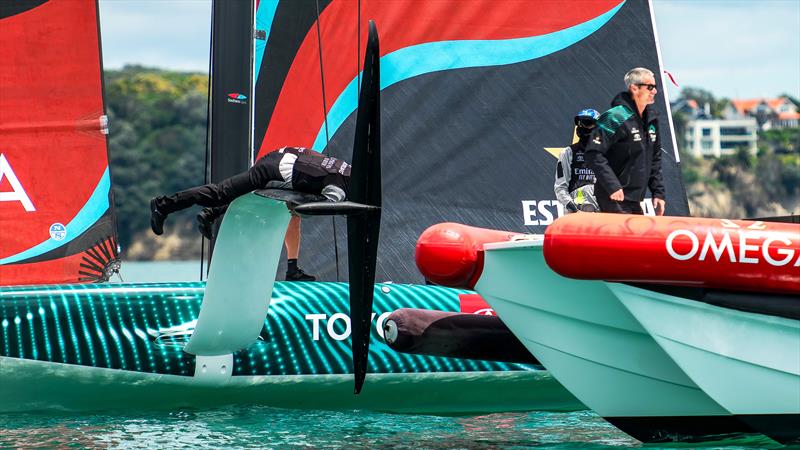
[585, 337]
[88, 347]
[749, 363]
[34, 386]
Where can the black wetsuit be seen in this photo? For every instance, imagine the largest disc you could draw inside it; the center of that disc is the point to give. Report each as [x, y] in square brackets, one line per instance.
[572, 174]
[294, 168]
[580, 173]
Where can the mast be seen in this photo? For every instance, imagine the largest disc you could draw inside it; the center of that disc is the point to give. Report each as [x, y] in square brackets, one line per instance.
[231, 96]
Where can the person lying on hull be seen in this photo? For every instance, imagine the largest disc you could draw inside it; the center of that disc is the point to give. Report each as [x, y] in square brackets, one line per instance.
[574, 185]
[624, 150]
[294, 168]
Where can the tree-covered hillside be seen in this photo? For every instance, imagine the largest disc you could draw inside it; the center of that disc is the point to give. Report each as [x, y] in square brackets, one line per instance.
[741, 185]
[157, 141]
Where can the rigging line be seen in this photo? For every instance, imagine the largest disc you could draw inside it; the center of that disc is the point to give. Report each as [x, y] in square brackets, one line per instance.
[322, 78]
[335, 247]
[327, 136]
[208, 134]
[358, 49]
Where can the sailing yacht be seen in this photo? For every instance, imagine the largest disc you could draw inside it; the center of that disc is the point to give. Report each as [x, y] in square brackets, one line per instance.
[109, 346]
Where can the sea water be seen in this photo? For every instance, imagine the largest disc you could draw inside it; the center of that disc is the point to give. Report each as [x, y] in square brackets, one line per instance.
[255, 426]
[263, 427]
[160, 271]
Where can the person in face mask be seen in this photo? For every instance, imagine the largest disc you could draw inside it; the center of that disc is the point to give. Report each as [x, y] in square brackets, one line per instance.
[574, 185]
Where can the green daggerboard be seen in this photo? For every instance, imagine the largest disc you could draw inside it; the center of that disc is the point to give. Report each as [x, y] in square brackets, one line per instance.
[241, 276]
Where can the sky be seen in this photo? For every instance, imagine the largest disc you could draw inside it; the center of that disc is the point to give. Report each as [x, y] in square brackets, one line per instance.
[733, 48]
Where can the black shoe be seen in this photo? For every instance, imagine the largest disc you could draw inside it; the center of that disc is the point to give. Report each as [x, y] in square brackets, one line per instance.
[205, 223]
[157, 217]
[299, 275]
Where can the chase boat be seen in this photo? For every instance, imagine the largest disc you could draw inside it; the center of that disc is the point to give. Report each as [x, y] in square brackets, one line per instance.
[672, 329]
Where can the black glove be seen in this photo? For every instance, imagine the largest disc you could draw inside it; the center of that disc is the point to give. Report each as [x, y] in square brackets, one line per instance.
[572, 207]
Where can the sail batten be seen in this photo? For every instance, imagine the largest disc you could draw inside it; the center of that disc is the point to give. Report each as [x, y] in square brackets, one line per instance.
[99, 124]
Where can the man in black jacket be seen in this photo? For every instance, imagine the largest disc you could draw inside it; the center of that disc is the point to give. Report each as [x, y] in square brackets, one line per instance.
[625, 149]
[293, 168]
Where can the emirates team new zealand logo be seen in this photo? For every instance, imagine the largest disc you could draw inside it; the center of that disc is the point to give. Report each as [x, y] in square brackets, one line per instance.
[236, 97]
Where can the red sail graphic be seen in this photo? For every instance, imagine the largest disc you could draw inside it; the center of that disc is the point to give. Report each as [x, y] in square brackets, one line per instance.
[56, 221]
[402, 23]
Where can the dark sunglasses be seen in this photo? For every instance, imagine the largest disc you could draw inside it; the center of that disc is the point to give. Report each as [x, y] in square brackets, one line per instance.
[587, 123]
[649, 87]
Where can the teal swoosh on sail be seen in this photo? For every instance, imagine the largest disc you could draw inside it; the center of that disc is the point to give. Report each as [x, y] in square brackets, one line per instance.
[91, 212]
[430, 57]
[264, 17]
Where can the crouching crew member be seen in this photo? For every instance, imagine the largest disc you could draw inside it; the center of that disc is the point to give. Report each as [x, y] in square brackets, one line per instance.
[293, 168]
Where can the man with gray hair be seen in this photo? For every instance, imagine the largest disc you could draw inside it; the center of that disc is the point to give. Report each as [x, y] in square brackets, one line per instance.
[624, 150]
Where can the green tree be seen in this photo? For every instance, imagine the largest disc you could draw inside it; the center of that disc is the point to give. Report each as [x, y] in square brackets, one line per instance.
[157, 140]
[703, 97]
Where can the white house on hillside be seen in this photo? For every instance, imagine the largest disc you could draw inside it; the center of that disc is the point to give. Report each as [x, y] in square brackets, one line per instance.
[716, 137]
[770, 113]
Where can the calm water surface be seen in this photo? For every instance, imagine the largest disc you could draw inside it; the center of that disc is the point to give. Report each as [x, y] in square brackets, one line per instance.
[159, 271]
[263, 427]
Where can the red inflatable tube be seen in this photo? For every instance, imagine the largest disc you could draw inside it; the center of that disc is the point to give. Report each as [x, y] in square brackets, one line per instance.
[451, 254]
[711, 253]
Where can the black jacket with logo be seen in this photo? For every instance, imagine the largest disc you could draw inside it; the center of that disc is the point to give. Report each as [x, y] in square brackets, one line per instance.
[311, 172]
[624, 151]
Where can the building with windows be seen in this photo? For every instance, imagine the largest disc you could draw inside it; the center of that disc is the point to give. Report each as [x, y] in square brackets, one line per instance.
[769, 113]
[691, 109]
[717, 137]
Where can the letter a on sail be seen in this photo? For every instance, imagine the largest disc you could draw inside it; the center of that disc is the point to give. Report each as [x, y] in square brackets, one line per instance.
[17, 193]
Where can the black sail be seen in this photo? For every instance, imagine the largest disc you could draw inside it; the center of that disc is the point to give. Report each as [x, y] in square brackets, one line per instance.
[476, 98]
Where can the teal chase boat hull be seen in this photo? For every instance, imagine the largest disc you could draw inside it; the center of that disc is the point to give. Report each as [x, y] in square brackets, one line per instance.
[586, 338]
[724, 350]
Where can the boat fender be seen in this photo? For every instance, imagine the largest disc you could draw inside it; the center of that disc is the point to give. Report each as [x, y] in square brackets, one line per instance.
[735, 255]
[454, 335]
[451, 254]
